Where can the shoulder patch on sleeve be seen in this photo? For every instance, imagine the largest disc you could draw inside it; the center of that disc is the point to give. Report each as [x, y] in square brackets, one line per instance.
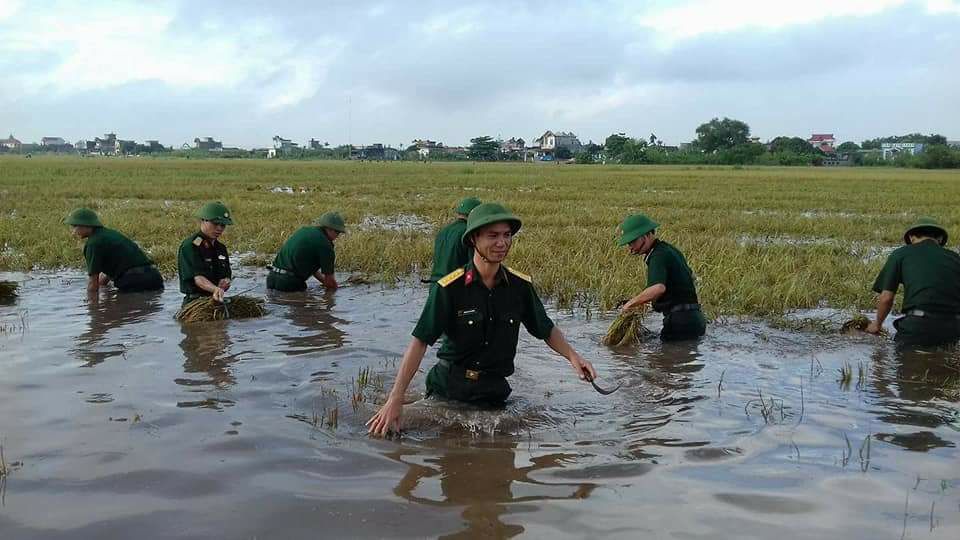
[197, 241]
[450, 278]
[520, 275]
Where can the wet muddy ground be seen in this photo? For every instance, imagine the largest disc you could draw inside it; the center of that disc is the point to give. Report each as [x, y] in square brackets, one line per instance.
[117, 421]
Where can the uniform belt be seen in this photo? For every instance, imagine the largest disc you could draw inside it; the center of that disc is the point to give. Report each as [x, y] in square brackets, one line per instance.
[472, 374]
[929, 315]
[683, 307]
[281, 271]
[142, 269]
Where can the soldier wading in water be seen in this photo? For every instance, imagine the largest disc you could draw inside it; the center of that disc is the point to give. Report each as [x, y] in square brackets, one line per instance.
[202, 261]
[478, 309]
[930, 275]
[111, 256]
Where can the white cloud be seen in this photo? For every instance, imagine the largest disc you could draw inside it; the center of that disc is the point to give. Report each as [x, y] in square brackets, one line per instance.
[454, 23]
[104, 46]
[697, 17]
[9, 8]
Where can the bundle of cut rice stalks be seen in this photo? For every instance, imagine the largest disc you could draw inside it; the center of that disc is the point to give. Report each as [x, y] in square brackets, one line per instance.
[8, 290]
[628, 329]
[858, 323]
[234, 307]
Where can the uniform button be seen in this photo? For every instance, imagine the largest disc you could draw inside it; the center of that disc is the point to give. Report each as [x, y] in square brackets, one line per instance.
[470, 322]
[511, 321]
[484, 342]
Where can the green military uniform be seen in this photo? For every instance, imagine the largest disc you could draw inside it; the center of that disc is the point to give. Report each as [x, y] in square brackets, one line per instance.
[930, 275]
[201, 256]
[682, 318]
[306, 251]
[120, 258]
[449, 250]
[480, 328]
[109, 252]
[449, 253]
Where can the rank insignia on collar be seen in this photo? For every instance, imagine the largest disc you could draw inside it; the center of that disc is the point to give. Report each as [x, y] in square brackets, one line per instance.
[469, 277]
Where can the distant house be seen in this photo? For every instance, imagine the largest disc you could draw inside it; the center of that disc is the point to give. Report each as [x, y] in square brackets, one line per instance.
[106, 146]
[953, 144]
[892, 150]
[123, 148]
[550, 142]
[513, 146]
[375, 152]
[824, 142]
[55, 144]
[284, 145]
[315, 144]
[153, 146]
[10, 144]
[424, 147]
[207, 143]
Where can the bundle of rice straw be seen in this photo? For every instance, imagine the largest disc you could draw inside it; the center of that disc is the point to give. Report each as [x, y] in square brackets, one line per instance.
[859, 322]
[234, 307]
[627, 329]
[8, 290]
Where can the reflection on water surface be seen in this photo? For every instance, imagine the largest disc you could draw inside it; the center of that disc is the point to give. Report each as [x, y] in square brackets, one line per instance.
[125, 420]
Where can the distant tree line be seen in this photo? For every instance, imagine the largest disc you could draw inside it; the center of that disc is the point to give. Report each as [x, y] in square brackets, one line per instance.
[728, 142]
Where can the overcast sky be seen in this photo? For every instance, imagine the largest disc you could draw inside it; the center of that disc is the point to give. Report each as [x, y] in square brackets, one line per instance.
[365, 72]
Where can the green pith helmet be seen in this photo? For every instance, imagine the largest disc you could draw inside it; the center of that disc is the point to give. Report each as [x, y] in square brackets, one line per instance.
[467, 205]
[486, 214]
[332, 220]
[634, 227]
[216, 212]
[930, 225]
[84, 217]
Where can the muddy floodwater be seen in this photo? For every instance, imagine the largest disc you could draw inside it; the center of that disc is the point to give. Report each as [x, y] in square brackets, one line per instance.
[119, 422]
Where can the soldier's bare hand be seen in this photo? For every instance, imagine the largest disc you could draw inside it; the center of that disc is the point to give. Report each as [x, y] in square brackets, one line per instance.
[224, 284]
[583, 368]
[218, 294]
[873, 328]
[386, 420]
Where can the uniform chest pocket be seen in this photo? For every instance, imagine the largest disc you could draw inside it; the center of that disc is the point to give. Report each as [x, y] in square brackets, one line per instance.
[469, 325]
[509, 322]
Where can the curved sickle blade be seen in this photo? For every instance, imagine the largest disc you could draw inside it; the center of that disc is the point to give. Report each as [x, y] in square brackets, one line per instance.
[601, 390]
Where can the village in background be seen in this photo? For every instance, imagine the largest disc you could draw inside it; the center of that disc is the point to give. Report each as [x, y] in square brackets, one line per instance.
[720, 141]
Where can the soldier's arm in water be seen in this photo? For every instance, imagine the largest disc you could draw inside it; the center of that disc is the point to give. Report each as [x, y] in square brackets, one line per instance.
[93, 283]
[558, 342]
[649, 294]
[884, 306]
[328, 280]
[388, 417]
[207, 285]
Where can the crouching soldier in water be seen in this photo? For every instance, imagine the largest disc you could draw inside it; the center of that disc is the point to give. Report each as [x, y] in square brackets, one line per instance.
[202, 262]
[670, 288]
[308, 252]
[111, 256]
[478, 309]
[449, 251]
[930, 275]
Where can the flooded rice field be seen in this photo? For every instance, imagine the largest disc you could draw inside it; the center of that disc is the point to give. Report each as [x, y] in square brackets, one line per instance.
[117, 421]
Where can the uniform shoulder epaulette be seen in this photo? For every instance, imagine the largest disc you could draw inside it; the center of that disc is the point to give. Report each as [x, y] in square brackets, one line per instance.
[520, 275]
[450, 278]
[197, 241]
